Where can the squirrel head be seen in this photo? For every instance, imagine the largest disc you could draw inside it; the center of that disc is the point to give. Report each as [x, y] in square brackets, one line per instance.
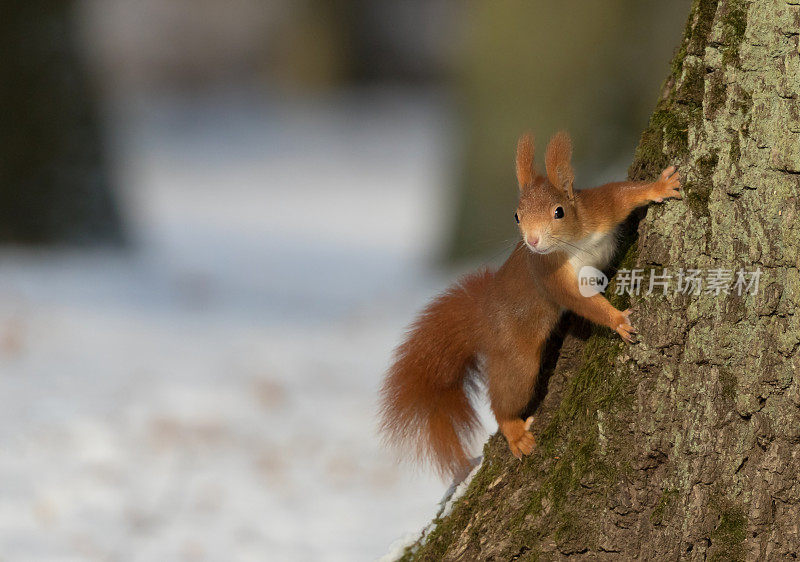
[546, 213]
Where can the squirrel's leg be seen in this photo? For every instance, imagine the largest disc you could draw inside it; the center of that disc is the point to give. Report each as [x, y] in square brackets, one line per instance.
[562, 285]
[613, 202]
[511, 380]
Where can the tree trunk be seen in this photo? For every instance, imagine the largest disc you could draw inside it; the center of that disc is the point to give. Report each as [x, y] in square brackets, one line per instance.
[54, 186]
[686, 445]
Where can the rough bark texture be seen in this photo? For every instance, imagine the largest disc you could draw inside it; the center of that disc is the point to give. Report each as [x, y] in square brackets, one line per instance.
[686, 445]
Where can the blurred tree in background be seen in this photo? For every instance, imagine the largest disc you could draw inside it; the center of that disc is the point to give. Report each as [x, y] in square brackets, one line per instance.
[328, 43]
[54, 185]
[593, 68]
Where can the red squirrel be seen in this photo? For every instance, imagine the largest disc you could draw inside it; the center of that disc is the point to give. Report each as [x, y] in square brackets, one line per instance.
[498, 322]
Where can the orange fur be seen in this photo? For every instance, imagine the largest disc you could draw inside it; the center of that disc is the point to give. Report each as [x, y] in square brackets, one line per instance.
[526, 170]
[505, 318]
[425, 398]
[557, 161]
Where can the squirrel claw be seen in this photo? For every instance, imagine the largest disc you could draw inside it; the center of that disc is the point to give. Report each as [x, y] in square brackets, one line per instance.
[627, 334]
[668, 185]
[520, 441]
[625, 329]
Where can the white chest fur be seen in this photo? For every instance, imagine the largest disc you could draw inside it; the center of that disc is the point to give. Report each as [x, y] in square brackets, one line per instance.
[595, 250]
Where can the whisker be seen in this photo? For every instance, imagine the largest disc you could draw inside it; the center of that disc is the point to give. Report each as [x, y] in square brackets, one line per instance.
[477, 251]
[569, 243]
[569, 251]
[575, 246]
[506, 246]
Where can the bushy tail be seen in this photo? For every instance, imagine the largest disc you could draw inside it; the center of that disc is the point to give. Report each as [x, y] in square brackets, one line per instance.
[426, 402]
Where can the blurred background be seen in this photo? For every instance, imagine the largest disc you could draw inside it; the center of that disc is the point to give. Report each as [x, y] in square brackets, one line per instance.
[216, 219]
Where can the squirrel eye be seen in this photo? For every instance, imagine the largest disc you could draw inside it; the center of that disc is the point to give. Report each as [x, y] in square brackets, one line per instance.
[516, 217]
[559, 214]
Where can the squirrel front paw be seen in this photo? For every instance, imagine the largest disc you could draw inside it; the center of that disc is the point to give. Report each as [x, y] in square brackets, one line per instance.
[622, 325]
[667, 185]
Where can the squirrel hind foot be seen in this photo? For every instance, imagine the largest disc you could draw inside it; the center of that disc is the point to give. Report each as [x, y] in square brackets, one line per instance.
[520, 440]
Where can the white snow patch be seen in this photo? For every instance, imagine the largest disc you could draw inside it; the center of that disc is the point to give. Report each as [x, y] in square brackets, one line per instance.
[211, 393]
[454, 493]
[459, 491]
[399, 547]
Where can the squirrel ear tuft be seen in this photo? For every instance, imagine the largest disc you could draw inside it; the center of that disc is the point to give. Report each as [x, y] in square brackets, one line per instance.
[526, 170]
[557, 161]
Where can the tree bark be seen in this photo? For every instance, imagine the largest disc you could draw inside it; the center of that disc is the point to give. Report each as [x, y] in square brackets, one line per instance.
[687, 444]
[54, 183]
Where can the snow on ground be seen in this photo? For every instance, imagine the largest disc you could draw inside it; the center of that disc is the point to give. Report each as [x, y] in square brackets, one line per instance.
[210, 393]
